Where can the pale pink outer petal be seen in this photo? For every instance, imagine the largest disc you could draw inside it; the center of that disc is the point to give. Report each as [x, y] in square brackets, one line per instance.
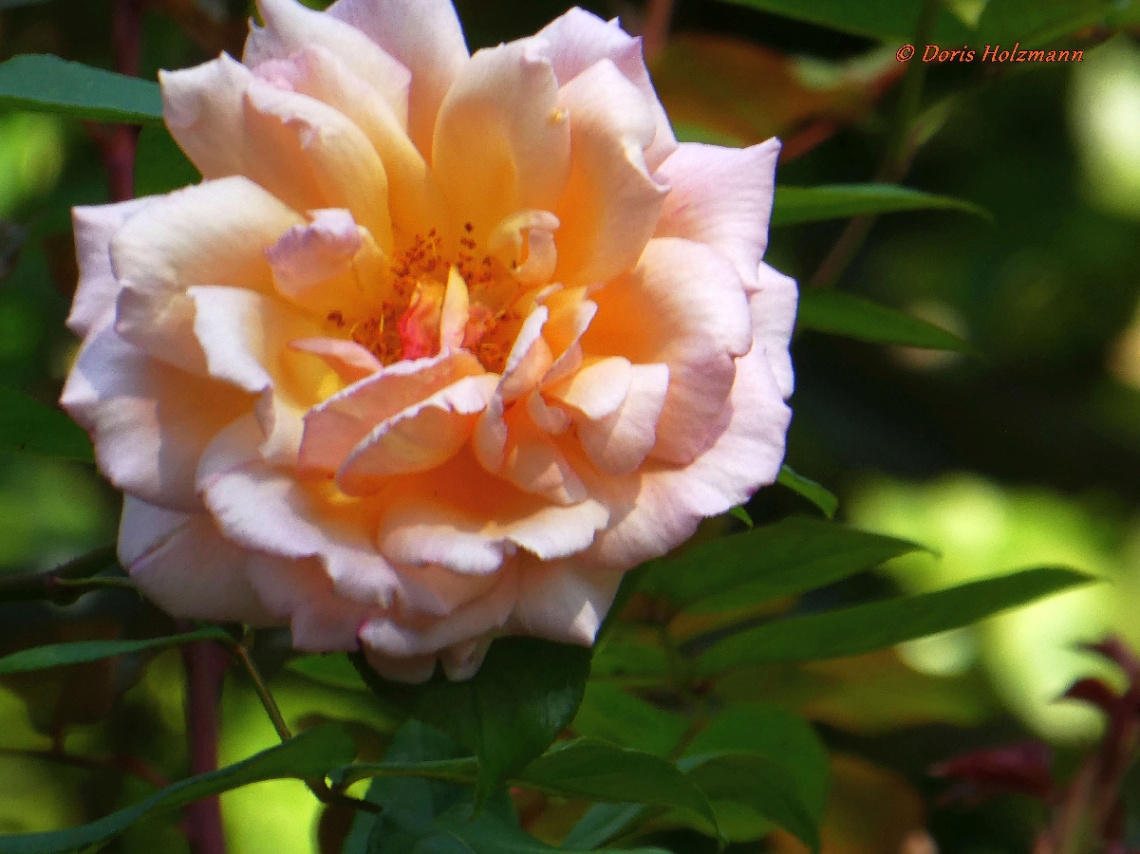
[722, 197]
[266, 509]
[666, 503]
[424, 35]
[773, 309]
[186, 567]
[562, 601]
[692, 316]
[579, 39]
[501, 144]
[98, 287]
[146, 419]
[300, 593]
[612, 203]
[291, 28]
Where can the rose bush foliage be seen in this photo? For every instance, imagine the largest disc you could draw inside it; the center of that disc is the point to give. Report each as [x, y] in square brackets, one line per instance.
[441, 345]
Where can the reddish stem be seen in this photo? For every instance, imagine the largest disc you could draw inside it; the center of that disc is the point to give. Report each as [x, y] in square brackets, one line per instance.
[119, 143]
[205, 665]
[655, 31]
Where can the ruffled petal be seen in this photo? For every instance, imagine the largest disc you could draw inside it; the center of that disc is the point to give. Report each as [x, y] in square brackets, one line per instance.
[612, 204]
[773, 309]
[146, 419]
[501, 143]
[579, 40]
[618, 442]
[563, 602]
[291, 28]
[691, 315]
[98, 287]
[722, 197]
[426, 37]
[182, 563]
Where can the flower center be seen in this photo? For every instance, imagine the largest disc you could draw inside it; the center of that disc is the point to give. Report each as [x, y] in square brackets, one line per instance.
[436, 299]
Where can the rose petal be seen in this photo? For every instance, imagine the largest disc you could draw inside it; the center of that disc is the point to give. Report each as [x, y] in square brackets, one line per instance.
[579, 40]
[146, 419]
[562, 602]
[351, 361]
[619, 442]
[612, 204]
[501, 144]
[186, 567]
[291, 28]
[98, 286]
[773, 309]
[693, 317]
[722, 197]
[426, 37]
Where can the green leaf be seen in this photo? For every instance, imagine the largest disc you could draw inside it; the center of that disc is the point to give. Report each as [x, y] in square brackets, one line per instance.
[333, 669]
[843, 314]
[48, 84]
[607, 712]
[81, 652]
[601, 823]
[766, 786]
[863, 628]
[790, 557]
[432, 816]
[160, 165]
[818, 495]
[840, 201]
[527, 691]
[310, 754]
[778, 736]
[742, 514]
[29, 426]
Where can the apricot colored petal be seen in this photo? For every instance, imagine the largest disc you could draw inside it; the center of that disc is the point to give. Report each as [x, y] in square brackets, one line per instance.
[418, 439]
[534, 463]
[773, 309]
[324, 265]
[596, 390]
[322, 152]
[424, 35]
[476, 619]
[563, 602]
[182, 563]
[660, 507]
[300, 593]
[351, 361]
[213, 233]
[146, 419]
[267, 509]
[243, 333]
[414, 199]
[722, 197]
[98, 286]
[529, 359]
[693, 317]
[619, 442]
[336, 426]
[579, 39]
[612, 204]
[501, 144]
[290, 28]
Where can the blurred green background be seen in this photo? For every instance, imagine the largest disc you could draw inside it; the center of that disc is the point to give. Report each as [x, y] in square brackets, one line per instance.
[1026, 454]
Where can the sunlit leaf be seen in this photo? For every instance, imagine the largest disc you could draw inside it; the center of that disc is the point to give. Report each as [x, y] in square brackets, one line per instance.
[840, 201]
[310, 754]
[26, 425]
[527, 691]
[863, 628]
[790, 557]
[48, 84]
[817, 494]
[850, 316]
[333, 669]
[79, 652]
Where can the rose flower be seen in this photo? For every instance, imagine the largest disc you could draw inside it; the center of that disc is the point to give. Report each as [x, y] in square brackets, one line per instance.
[441, 345]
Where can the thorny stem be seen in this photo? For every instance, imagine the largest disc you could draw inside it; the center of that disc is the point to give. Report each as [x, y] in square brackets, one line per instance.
[896, 157]
[205, 665]
[118, 142]
[64, 582]
[131, 765]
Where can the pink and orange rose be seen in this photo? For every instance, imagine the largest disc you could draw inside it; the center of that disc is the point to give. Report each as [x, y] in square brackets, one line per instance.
[441, 346]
